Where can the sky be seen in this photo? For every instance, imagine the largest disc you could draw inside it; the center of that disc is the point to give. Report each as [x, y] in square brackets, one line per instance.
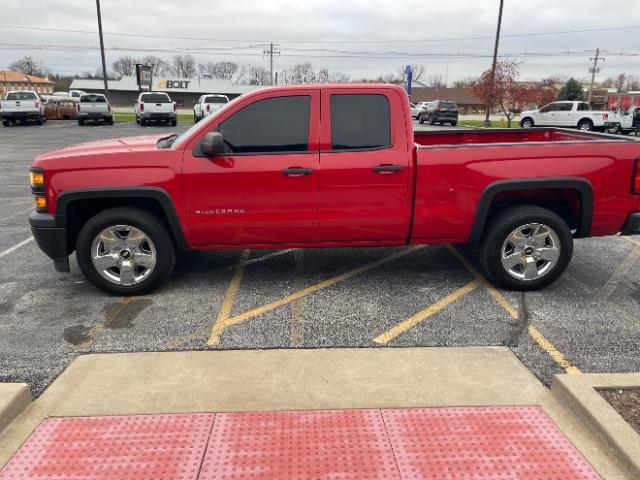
[361, 38]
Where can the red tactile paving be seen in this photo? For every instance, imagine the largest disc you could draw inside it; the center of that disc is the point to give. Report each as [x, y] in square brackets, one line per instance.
[138, 447]
[501, 443]
[339, 444]
[484, 443]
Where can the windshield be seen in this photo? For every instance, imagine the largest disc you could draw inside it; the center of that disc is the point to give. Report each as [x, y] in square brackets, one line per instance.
[21, 96]
[197, 126]
[216, 100]
[155, 98]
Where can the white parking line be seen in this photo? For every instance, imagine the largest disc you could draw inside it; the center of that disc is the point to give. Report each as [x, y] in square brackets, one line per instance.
[16, 247]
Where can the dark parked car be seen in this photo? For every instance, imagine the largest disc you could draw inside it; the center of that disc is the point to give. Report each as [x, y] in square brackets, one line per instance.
[440, 111]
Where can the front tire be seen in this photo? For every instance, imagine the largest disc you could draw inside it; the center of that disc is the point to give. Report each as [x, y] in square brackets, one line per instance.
[526, 248]
[125, 251]
[421, 119]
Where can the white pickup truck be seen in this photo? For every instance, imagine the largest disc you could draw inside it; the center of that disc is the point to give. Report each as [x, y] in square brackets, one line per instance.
[622, 122]
[155, 107]
[96, 107]
[208, 104]
[565, 114]
[20, 106]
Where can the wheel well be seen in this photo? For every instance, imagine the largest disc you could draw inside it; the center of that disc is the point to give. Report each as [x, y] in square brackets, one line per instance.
[565, 202]
[585, 119]
[526, 118]
[78, 212]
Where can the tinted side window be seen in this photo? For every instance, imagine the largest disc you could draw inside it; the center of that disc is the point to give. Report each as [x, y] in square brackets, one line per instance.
[583, 106]
[278, 124]
[360, 121]
[564, 107]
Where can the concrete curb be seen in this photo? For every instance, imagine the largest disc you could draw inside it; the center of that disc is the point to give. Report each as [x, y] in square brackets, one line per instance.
[14, 398]
[578, 393]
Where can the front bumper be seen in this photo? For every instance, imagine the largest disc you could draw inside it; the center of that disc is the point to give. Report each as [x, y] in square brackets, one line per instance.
[51, 239]
[632, 225]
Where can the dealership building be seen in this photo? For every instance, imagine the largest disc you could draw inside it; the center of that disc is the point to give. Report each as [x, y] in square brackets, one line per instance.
[184, 91]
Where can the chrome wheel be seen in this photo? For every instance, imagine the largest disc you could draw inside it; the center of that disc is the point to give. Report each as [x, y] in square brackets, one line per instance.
[530, 251]
[123, 255]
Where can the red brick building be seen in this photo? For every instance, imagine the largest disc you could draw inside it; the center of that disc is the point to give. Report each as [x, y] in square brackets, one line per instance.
[22, 81]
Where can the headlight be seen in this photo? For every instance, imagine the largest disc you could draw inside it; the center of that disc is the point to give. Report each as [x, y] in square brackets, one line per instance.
[37, 178]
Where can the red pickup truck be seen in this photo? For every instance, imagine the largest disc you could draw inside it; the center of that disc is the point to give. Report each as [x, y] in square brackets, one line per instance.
[331, 166]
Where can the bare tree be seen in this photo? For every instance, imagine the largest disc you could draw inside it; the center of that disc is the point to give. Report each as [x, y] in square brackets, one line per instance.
[184, 66]
[158, 65]
[633, 83]
[465, 82]
[620, 81]
[607, 83]
[435, 81]
[29, 65]
[251, 75]
[125, 66]
[299, 74]
[221, 70]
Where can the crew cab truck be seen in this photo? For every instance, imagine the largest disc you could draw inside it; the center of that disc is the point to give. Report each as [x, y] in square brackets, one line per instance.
[95, 107]
[155, 107]
[566, 114]
[331, 166]
[208, 104]
[21, 106]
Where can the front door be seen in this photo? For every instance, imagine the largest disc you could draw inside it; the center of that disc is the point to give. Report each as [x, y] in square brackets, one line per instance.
[364, 167]
[264, 190]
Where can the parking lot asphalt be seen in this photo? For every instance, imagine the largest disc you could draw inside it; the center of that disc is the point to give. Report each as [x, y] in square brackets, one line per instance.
[588, 321]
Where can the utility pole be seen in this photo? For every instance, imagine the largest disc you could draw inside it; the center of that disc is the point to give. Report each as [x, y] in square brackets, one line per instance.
[594, 69]
[487, 122]
[104, 62]
[271, 52]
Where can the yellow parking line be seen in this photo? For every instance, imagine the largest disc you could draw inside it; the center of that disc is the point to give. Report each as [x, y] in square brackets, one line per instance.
[426, 313]
[632, 240]
[229, 298]
[220, 326]
[534, 333]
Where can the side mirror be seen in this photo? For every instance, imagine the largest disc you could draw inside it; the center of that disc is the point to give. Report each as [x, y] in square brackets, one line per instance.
[212, 144]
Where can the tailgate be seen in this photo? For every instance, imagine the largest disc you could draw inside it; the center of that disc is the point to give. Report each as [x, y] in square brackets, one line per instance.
[19, 106]
[158, 107]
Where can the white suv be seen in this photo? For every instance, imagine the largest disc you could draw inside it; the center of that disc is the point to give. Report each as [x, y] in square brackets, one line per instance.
[155, 107]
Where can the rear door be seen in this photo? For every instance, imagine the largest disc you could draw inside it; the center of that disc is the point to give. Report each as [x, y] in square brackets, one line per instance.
[264, 190]
[364, 167]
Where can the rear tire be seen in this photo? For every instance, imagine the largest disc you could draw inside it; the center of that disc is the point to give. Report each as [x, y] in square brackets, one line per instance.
[143, 122]
[80, 122]
[109, 121]
[526, 248]
[39, 121]
[432, 120]
[453, 124]
[526, 123]
[6, 123]
[585, 125]
[157, 245]
[174, 122]
[421, 119]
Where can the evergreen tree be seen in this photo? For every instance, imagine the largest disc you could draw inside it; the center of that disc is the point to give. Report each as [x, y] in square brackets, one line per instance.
[572, 90]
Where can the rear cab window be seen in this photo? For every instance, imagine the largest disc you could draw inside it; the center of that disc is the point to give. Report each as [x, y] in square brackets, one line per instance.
[155, 98]
[213, 99]
[21, 96]
[360, 122]
[449, 105]
[93, 99]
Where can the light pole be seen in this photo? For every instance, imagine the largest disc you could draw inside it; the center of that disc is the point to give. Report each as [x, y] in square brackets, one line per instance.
[104, 63]
[487, 122]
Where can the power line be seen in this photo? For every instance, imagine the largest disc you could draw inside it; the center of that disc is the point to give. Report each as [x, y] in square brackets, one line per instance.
[326, 42]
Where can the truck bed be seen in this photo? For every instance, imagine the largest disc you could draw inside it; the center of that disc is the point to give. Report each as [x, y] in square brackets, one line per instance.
[493, 136]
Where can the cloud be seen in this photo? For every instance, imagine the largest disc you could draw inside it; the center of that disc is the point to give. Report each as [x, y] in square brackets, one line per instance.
[307, 31]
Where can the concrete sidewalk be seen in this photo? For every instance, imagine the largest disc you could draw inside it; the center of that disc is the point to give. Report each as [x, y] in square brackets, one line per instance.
[275, 380]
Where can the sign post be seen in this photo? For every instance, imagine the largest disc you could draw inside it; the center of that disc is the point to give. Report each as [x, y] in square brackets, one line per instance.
[144, 76]
[408, 75]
